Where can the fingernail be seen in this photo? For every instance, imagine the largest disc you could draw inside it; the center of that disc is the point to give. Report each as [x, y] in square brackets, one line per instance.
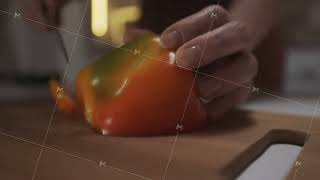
[188, 57]
[171, 40]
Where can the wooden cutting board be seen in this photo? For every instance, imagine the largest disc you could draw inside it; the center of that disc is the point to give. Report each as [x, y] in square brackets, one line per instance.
[73, 151]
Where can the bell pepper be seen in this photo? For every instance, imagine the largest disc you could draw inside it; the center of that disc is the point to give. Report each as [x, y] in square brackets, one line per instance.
[129, 93]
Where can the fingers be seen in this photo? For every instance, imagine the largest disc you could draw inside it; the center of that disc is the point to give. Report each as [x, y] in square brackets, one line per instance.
[243, 68]
[225, 40]
[132, 33]
[193, 26]
[223, 104]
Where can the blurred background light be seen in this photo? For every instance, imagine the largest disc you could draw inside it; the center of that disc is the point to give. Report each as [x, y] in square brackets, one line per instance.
[99, 17]
[123, 16]
[109, 18]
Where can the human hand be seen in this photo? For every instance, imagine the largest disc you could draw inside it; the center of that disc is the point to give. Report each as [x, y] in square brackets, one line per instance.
[220, 53]
[44, 11]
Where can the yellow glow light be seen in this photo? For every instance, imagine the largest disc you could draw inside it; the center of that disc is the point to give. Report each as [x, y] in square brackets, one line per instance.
[99, 17]
[123, 15]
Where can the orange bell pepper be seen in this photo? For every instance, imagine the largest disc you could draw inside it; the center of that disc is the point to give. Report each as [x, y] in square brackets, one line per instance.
[129, 93]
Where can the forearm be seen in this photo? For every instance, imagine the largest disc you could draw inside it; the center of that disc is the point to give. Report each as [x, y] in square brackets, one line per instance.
[259, 17]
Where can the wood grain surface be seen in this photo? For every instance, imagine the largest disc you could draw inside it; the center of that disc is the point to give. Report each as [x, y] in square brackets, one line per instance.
[74, 151]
